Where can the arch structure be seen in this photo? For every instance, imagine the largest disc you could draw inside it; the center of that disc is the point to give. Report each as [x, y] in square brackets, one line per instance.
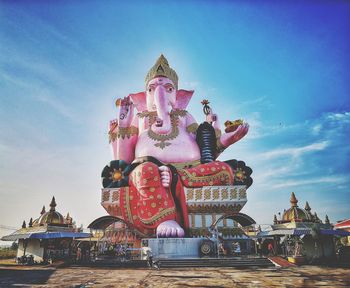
[103, 222]
[241, 218]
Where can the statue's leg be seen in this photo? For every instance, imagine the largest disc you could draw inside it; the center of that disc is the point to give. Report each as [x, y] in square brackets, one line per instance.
[209, 174]
[154, 205]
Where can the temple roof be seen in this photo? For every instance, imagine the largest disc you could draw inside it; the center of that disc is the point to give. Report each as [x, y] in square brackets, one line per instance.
[345, 224]
[297, 214]
[52, 217]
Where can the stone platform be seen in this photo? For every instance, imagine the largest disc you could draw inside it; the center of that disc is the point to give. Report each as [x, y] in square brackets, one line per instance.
[166, 248]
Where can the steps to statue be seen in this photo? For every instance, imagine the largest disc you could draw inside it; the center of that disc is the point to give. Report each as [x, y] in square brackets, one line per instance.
[235, 262]
[215, 262]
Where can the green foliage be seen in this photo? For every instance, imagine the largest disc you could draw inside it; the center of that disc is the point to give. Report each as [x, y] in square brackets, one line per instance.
[14, 246]
[7, 253]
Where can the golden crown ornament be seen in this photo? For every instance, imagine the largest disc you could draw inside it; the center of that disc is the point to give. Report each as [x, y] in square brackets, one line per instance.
[162, 68]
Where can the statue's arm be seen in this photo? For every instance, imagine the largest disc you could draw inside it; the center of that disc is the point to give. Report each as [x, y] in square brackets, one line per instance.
[230, 138]
[223, 141]
[124, 133]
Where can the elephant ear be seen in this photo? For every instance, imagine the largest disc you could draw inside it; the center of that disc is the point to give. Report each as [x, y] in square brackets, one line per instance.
[139, 100]
[182, 98]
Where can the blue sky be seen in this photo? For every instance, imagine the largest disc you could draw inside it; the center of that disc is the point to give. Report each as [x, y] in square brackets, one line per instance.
[283, 67]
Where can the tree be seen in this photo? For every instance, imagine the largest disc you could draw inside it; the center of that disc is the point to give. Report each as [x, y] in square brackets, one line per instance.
[14, 246]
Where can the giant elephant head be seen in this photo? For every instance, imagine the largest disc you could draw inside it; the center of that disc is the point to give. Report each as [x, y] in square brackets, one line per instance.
[161, 96]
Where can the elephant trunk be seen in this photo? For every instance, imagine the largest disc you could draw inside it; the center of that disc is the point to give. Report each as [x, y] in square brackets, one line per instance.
[163, 123]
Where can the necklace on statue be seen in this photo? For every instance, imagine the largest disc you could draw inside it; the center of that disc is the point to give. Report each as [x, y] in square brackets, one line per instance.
[163, 138]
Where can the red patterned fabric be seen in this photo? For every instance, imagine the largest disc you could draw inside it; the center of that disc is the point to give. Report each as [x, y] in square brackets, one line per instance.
[209, 174]
[146, 203]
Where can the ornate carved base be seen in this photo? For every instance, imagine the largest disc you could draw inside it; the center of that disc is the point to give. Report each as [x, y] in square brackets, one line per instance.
[205, 204]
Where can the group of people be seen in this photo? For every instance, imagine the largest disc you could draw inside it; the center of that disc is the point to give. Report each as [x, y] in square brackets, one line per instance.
[234, 250]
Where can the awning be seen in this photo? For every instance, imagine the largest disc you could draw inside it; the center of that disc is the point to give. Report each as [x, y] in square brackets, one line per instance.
[345, 224]
[51, 235]
[45, 235]
[335, 232]
[14, 237]
[89, 239]
[300, 232]
[282, 232]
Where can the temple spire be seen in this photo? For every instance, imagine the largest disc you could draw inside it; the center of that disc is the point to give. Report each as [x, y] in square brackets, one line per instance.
[24, 225]
[30, 224]
[43, 210]
[53, 204]
[316, 217]
[69, 219]
[326, 220]
[307, 207]
[293, 200]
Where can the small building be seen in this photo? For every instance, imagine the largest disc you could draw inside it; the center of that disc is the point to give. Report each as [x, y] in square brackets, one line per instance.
[344, 225]
[301, 233]
[50, 236]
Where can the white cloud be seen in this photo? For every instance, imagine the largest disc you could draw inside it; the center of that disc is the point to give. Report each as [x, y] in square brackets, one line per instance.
[339, 117]
[312, 181]
[295, 151]
[58, 106]
[315, 130]
[262, 101]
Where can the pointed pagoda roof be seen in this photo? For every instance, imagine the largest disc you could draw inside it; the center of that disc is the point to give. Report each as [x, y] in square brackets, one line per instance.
[326, 220]
[307, 207]
[52, 217]
[53, 204]
[293, 200]
[294, 213]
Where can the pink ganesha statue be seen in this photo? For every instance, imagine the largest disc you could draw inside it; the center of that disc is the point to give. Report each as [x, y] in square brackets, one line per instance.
[160, 143]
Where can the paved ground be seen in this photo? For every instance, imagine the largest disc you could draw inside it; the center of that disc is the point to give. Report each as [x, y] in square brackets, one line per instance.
[305, 276]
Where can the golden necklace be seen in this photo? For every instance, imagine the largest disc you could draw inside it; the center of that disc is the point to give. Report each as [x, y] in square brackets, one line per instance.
[162, 138]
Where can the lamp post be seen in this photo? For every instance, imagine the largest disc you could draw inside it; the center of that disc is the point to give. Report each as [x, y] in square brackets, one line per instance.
[217, 241]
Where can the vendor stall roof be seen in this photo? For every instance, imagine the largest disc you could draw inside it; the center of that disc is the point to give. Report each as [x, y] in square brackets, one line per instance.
[299, 232]
[44, 235]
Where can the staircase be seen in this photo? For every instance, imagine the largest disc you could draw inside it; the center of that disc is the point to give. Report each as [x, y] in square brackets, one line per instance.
[214, 262]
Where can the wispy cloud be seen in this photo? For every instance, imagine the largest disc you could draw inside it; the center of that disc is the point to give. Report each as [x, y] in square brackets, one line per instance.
[58, 106]
[312, 181]
[295, 151]
[343, 118]
[253, 103]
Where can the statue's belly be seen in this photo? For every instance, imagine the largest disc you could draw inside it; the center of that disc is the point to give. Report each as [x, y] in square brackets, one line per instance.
[181, 149]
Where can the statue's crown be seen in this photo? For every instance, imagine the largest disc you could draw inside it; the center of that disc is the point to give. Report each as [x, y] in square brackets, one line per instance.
[162, 68]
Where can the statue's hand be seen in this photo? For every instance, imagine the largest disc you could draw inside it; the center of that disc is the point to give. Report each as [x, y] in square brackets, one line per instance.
[126, 112]
[165, 176]
[229, 138]
[214, 120]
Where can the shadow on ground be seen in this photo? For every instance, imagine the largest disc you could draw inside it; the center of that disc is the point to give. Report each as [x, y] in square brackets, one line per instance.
[9, 277]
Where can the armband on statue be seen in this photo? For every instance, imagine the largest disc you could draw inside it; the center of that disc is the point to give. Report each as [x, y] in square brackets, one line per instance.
[122, 132]
[217, 133]
[219, 146]
[192, 128]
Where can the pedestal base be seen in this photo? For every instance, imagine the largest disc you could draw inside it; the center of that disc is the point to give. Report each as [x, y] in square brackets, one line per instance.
[166, 248]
